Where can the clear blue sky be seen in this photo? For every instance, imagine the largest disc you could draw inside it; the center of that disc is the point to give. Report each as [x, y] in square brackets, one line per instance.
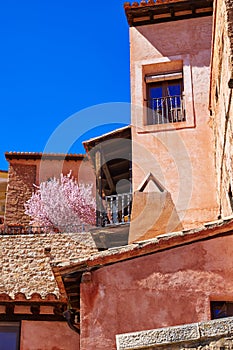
[57, 58]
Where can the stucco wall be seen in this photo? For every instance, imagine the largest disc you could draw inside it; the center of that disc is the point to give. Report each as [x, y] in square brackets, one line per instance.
[221, 101]
[180, 155]
[163, 289]
[37, 335]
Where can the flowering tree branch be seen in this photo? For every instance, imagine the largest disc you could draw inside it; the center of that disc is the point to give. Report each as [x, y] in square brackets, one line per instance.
[61, 204]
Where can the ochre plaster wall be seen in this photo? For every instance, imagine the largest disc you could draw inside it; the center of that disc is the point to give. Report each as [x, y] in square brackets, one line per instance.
[3, 185]
[221, 101]
[180, 155]
[168, 288]
[23, 174]
[19, 190]
[38, 335]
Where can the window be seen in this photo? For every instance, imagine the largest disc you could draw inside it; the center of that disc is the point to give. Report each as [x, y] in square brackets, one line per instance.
[165, 98]
[220, 309]
[230, 196]
[9, 336]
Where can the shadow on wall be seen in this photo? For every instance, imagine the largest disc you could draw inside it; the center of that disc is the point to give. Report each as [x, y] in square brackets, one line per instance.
[153, 213]
[177, 37]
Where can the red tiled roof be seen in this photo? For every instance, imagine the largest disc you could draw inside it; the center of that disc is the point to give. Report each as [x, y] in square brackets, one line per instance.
[35, 297]
[138, 249]
[157, 11]
[40, 155]
[143, 3]
[124, 132]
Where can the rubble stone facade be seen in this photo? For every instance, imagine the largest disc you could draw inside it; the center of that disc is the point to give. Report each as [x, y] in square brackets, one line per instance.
[20, 188]
[221, 101]
[212, 335]
[26, 259]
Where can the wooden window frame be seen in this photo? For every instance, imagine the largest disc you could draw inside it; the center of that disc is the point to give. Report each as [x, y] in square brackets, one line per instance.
[164, 82]
[11, 327]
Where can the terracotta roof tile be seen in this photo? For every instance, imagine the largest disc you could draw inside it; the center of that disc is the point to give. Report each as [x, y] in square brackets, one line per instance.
[156, 11]
[166, 241]
[144, 3]
[120, 132]
[35, 297]
[40, 155]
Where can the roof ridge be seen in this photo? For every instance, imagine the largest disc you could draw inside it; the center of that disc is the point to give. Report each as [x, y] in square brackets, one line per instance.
[143, 3]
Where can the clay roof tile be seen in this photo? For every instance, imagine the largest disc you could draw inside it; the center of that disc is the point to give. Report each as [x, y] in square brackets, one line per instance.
[40, 155]
[20, 297]
[143, 3]
[31, 277]
[127, 5]
[162, 242]
[5, 297]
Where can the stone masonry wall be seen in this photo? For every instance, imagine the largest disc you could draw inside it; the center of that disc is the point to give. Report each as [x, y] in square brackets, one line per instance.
[21, 178]
[25, 260]
[221, 101]
[210, 335]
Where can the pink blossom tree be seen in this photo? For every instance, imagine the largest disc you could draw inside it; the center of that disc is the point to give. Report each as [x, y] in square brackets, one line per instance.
[62, 204]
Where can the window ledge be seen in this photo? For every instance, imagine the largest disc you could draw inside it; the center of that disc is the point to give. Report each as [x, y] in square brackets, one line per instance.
[164, 127]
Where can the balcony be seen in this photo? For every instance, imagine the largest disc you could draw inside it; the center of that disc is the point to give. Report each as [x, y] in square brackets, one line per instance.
[117, 209]
[16, 229]
[163, 110]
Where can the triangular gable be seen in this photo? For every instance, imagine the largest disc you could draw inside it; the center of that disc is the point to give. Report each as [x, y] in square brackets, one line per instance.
[148, 178]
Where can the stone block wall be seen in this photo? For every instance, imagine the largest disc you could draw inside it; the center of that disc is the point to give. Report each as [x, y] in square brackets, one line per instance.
[19, 190]
[221, 101]
[25, 260]
[210, 335]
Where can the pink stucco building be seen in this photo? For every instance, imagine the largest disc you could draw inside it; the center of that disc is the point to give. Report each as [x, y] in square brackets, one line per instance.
[172, 137]
[166, 288]
[171, 280]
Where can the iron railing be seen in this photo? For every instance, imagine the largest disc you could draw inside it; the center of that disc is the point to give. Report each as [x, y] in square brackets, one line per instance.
[118, 209]
[30, 229]
[164, 110]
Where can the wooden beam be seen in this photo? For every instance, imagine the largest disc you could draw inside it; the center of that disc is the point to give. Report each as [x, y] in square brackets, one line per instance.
[108, 175]
[123, 176]
[98, 187]
[124, 163]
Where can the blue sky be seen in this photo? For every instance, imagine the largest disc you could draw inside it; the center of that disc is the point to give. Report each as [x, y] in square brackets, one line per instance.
[57, 58]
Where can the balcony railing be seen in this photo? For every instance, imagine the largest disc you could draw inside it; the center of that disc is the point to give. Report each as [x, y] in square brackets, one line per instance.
[118, 209]
[164, 110]
[24, 229]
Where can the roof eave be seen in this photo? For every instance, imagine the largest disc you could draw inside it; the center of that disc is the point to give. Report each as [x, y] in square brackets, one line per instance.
[43, 156]
[160, 243]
